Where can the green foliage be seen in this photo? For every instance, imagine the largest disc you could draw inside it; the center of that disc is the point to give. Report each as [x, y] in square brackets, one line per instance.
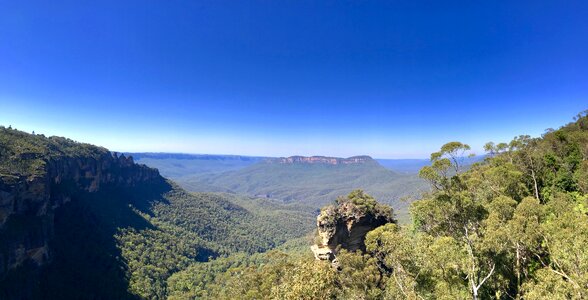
[153, 255]
[126, 241]
[519, 218]
[190, 228]
[512, 227]
[25, 154]
[312, 185]
[363, 204]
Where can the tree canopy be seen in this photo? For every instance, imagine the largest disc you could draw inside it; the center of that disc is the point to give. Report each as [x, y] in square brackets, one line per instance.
[514, 226]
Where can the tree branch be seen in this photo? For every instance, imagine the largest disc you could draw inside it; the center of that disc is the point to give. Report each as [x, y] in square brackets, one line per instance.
[487, 276]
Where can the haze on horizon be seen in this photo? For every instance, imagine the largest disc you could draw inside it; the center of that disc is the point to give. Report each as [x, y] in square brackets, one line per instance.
[386, 79]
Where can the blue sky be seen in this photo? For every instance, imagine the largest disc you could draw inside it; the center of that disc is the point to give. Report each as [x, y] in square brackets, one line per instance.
[391, 79]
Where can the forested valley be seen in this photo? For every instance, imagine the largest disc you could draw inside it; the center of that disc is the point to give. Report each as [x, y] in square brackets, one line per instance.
[513, 226]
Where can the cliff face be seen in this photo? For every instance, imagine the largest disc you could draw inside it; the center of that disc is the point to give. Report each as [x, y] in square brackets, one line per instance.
[323, 160]
[346, 224]
[34, 184]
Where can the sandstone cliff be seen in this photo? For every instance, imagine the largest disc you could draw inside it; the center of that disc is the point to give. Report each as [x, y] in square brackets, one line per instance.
[322, 160]
[345, 224]
[38, 175]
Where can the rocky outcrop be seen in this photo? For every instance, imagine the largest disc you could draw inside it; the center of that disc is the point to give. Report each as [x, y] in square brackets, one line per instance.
[322, 160]
[345, 224]
[28, 201]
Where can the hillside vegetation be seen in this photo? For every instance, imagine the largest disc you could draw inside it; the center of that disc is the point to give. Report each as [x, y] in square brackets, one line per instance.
[316, 184]
[105, 233]
[309, 184]
[512, 227]
[413, 166]
[192, 228]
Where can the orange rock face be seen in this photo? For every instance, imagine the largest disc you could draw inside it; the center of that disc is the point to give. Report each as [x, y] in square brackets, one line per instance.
[324, 160]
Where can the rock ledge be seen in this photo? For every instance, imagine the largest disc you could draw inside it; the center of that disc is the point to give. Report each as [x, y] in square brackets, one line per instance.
[345, 224]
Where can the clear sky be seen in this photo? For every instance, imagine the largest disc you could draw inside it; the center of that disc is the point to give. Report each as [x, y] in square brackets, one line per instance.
[391, 79]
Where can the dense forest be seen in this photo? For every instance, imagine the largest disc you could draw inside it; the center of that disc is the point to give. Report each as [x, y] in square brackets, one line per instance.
[77, 221]
[194, 228]
[312, 184]
[512, 227]
[293, 150]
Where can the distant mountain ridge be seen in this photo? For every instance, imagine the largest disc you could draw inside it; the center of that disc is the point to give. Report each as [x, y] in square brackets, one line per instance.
[322, 160]
[219, 157]
[313, 181]
[177, 165]
[309, 180]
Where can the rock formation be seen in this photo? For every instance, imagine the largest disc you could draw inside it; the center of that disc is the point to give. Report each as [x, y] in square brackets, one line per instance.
[39, 175]
[345, 224]
[323, 160]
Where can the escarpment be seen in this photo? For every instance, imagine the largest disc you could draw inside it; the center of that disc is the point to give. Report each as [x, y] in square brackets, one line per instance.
[38, 176]
[323, 160]
[345, 224]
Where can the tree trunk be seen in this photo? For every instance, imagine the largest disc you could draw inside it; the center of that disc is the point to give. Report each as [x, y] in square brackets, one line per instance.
[518, 272]
[535, 184]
